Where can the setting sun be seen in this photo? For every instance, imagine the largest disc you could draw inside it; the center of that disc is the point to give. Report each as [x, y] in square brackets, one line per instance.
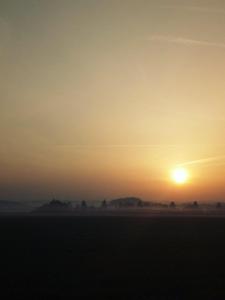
[179, 175]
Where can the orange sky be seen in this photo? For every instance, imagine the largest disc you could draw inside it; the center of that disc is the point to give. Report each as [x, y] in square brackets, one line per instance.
[102, 99]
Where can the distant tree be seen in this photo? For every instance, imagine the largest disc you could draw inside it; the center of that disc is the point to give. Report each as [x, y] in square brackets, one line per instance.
[218, 205]
[172, 204]
[195, 204]
[147, 204]
[83, 204]
[140, 203]
[104, 204]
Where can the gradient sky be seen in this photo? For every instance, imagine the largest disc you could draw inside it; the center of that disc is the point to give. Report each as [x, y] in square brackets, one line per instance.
[101, 99]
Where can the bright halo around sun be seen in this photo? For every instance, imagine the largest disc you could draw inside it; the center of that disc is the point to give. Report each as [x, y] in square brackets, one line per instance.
[179, 175]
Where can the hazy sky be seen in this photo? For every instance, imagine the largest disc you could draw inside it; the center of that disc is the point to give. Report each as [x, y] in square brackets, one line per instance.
[101, 99]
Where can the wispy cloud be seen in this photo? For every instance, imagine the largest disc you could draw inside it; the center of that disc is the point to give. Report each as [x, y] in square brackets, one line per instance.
[201, 9]
[184, 41]
[212, 159]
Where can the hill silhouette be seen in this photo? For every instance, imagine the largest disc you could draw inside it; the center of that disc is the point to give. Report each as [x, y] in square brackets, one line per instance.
[55, 206]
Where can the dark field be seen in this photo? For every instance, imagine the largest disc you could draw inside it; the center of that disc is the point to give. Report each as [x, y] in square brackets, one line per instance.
[112, 257]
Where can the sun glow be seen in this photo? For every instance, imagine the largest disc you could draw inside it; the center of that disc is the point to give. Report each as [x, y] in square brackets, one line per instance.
[179, 175]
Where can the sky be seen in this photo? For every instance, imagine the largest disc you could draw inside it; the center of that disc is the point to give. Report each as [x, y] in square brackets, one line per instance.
[102, 99]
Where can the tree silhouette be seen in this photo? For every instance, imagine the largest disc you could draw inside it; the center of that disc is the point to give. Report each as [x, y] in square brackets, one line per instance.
[172, 204]
[218, 205]
[104, 204]
[140, 203]
[83, 204]
[195, 204]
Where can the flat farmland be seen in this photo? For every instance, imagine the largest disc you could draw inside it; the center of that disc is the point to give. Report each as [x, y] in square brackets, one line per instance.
[71, 257]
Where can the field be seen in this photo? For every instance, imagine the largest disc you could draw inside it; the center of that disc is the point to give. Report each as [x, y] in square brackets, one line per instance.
[71, 257]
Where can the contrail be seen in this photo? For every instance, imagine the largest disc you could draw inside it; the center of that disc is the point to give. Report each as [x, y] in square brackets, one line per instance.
[119, 146]
[203, 161]
[184, 41]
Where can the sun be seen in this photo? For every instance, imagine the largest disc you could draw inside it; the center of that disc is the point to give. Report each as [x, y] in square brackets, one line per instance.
[179, 175]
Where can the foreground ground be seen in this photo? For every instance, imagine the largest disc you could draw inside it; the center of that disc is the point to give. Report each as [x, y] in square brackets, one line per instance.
[112, 257]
